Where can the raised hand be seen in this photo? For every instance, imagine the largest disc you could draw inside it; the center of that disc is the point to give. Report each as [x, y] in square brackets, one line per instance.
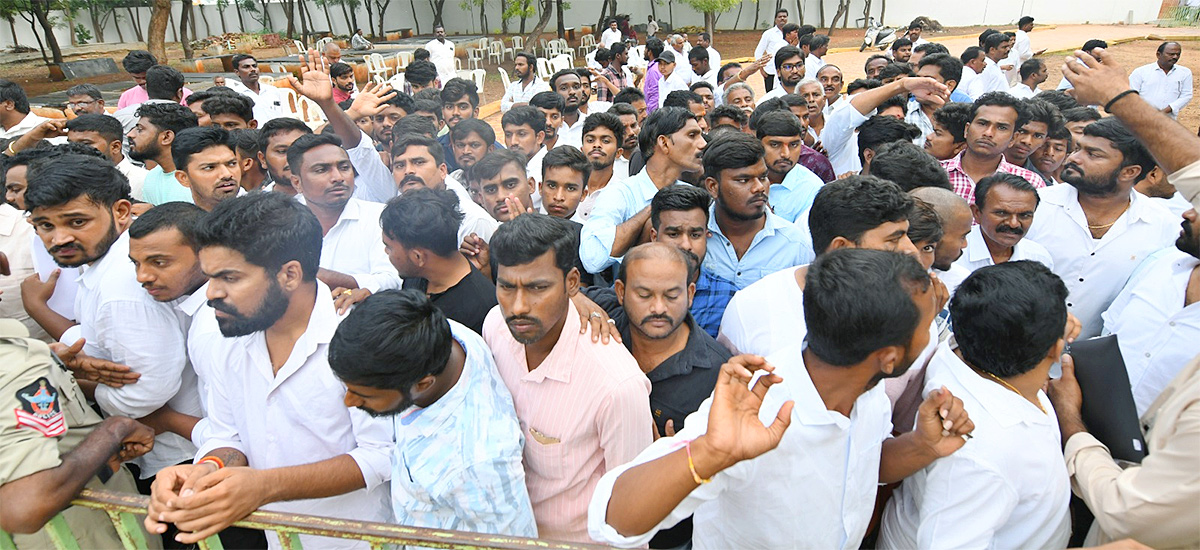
[370, 100]
[942, 423]
[734, 431]
[36, 291]
[314, 82]
[928, 89]
[1096, 81]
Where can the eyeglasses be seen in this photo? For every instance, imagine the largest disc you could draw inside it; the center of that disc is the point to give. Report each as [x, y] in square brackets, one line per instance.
[792, 66]
[80, 104]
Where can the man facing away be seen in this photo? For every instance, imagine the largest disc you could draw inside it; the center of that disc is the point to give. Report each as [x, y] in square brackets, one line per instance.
[583, 405]
[457, 457]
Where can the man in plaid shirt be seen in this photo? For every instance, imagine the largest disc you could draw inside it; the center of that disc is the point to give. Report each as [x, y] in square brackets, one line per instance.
[615, 73]
[995, 117]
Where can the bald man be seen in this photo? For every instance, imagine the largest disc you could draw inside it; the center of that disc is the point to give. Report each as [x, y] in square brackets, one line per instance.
[956, 224]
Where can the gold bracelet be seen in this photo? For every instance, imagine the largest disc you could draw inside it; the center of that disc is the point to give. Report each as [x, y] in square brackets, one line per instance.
[692, 466]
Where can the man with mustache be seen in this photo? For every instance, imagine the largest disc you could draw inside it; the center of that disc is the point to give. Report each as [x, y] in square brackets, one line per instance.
[792, 187]
[1003, 211]
[470, 141]
[352, 250]
[1097, 227]
[207, 164]
[867, 311]
[994, 120]
[582, 405]
[80, 209]
[789, 64]
[527, 82]
[150, 140]
[524, 131]
[603, 138]
[460, 101]
[269, 102]
[416, 163]
[276, 404]
[505, 187]
[1044, 120]
[457, 453]
[746, 240]
[567, 84]
[274, 138]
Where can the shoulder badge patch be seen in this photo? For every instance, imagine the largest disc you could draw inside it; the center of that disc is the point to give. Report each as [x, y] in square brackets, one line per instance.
[39, 409]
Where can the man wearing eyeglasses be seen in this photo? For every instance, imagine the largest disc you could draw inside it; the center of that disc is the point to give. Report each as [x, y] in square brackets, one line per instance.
[85, 99]
[789, 68]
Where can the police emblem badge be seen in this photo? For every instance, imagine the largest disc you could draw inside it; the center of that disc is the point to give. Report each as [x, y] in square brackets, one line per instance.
[39, 409]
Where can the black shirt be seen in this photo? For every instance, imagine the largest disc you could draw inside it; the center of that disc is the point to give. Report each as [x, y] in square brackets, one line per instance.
[467, 302]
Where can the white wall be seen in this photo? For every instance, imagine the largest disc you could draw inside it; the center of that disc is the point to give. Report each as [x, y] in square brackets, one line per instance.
[586, 12]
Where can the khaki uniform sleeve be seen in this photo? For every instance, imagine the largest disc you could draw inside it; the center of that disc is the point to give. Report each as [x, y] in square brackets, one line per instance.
[29, 446]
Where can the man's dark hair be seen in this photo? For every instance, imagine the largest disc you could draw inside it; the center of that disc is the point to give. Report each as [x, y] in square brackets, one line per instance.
[698, 54]
[208, 93]
[1093, 44]
[949, 68]
[607, 120]
[1001, 99]
[1008, 317]
[426, 106]
[89, 90]
[622, 109]
[414, 125]
[616, 49]
[570, 157]
[1003, 178]
[553, 82]
[492, 163]
[402, 101]
[435, 149]
[781, 122]
[873, 58]
[794, 100]
[191, 141]
[898, 100]
[1041, 111]
[1134, 153]
[456, 89]
[924, 223]
[168, 116]
[281, 125]
[727, 111]
[983, 36]
[1031, 66]
[857, 301]
[239, 106]
[900, 43]
[955, 117]
[528, 236]
[340, 69]
[421, 54]
[529, 58]
[678, 198]
[548, 100]
[730, 152]
[239, 58]
[424, 218]
[138, 61]
[628, 95]
[655, 46]
[391, 341]
[851, 206]
[1081, 114]
[306, 143]
[1024, 20]
[908, 166]
[106, 126]
[817, 41]
[662, 122]
[268, 229]
[1163, 46]
[1058, 98]
[785, 53]
[792, 28]
[682, 98]
[163, 82]
[931, 48]
[726, 67]
[182, 216]
[994, 41]
[779, 11]
[59, 179]
[879, 130]
[469, 126]
[525, 115]
[895, 69]
[11, 91]
[702, 84]
[1064, 134]
[970, 54]
[420, 72]
[862, 84]
[246, 140]
[26, 157]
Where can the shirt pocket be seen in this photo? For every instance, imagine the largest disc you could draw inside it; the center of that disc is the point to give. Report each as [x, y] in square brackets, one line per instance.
[545, 455]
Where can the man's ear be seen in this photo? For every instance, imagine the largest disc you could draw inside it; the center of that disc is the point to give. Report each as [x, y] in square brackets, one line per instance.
[182, 177]
[290, 276]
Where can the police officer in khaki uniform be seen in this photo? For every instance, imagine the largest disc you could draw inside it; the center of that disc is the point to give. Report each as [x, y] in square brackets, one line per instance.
[54, 445]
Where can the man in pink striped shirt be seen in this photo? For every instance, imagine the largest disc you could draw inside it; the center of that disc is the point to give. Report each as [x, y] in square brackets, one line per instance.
[584, 406]
[994, 120]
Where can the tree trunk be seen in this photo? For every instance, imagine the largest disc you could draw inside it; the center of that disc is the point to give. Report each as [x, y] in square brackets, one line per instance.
[305, 21]
[191, 19]
[371, 18]
[843, 9]
[156, 33]
[671, 14]
[438, 6]
[882, 10]
[328, 19]
[524, 17]
[562, 29]
[821, 7]
[483, 24]
[738, 21]
[412, 4]
[33, 25]
[800, 11]
[171, 21]
[12, 28]
[237, 6]
[221, 13]
[381, 8]
[185, 17]
[710, 24]
[503, 18]
[349, 22]
[43, 19]
[601, 25]
[204, 16]
[97, 24]
[70, 22]
[267, 16]
[117, 24]
[531, 39]
[136, 21]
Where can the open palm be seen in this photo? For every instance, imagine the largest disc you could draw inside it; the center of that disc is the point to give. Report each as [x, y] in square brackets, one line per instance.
[314, 82]
[927, 90]
[734, 429]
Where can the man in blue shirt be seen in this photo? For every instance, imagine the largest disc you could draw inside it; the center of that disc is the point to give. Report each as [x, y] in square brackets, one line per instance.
[457, 461]
[793, 186]
[747, 241]
[672, 143]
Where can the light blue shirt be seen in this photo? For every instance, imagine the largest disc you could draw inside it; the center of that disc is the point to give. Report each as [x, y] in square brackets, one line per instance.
[457, 463]
[613, 208]
[162, 188]
[794, 196]
[780, 244]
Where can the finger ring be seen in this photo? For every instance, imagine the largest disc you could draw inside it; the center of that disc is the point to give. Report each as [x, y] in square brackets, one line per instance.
[595, 314]
[347, 292]
[612, 322]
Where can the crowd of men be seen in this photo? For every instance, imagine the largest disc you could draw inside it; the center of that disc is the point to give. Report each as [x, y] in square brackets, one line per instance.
[835, 317]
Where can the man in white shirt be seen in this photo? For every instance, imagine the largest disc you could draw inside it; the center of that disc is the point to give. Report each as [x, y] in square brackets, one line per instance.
[956, 226]
[526, 85]
[714, 57]
[1033, 74]
[1010, 484]
[1164, 84]
[269, 101]
[1003, 211]
[276, 404]
[567, 84]
[828, 393]
[1097, 228]
[120, 321]
[360, 42]
[683, 69]
[15, 118]
[611, 35]
[352, 251]
[973, 60]
[441, 54]
[771, 41]
[105, 134]
[1021, 43]
[419, 160]
[817, 47]
[524, 130]
[789, 68]
[208, 165]
[992, 79]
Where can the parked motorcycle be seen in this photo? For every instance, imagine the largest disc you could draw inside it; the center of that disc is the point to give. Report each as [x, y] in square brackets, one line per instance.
[877, 36]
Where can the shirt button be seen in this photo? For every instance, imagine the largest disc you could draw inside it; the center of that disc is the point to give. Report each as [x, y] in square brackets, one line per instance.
[1081, 279]
[1069, 304]
[1172, 323]
[1093, 254]
[1147, 354]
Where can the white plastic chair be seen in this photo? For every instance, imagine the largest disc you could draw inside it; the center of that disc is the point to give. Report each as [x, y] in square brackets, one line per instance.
[507, 50]
[480, 77]
[474, 58]
[299, 46]
[320, 45]
[403, 59]
[560, 62]
[496, 51]
[376, 66]
[309, 111]
[518, 45]
[544, 49]
[292, 103]
[587, 44]
[504, 77]
[397, 82]
[543, 68]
